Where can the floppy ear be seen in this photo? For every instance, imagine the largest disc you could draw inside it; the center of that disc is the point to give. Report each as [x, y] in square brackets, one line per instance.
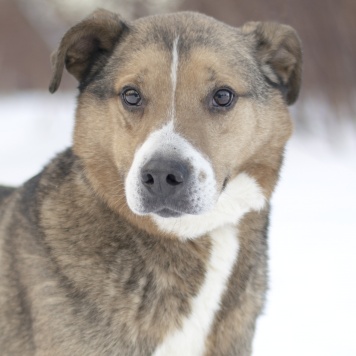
[85, 44]
[278, 50]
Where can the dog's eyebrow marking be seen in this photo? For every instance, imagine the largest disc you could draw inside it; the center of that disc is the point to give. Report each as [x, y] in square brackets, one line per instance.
[174, 71]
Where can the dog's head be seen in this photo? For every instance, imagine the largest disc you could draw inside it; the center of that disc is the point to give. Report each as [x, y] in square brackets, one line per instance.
[181, 119]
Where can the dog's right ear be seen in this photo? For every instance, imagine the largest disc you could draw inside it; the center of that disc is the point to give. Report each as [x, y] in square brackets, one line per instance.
[85, 43]
[278, 49]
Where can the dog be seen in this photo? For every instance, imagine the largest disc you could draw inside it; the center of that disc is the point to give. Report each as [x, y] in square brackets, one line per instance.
[149, 235]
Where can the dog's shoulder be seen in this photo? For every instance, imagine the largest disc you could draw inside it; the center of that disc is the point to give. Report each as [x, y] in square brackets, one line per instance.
[5, 192]
[59, 168]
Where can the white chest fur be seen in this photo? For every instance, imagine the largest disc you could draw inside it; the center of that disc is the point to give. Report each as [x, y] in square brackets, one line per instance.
[190, 339]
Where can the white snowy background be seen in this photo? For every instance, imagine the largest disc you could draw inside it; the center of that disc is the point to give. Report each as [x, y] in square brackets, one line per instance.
[311, 304]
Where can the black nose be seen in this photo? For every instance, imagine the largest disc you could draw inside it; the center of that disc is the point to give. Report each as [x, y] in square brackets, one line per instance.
[164, 178]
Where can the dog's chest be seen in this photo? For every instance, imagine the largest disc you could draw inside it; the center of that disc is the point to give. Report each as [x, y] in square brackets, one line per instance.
[190, 339]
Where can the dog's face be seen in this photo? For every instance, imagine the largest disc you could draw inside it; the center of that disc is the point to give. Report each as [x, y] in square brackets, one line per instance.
[180, 113]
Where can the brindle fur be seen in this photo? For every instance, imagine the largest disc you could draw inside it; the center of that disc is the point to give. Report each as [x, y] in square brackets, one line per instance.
[80, 273]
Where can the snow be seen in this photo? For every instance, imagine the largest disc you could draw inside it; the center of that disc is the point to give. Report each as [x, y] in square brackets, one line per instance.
[311, 305]
[33, 127]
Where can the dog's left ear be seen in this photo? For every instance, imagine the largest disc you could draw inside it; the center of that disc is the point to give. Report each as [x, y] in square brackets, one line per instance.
[278, 50]
[85, 45]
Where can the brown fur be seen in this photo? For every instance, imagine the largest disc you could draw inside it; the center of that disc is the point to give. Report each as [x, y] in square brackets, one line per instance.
[81, 273]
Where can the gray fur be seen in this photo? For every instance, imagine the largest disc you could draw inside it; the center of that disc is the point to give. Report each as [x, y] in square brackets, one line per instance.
[82, 275]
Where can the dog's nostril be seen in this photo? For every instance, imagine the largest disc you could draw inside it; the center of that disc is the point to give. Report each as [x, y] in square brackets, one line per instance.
[148, 179]
[163, 178]
[173, 179]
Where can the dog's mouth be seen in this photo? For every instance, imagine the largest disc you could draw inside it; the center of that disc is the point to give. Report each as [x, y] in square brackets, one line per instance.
[168, 213]
[173, 206]
[226, 180]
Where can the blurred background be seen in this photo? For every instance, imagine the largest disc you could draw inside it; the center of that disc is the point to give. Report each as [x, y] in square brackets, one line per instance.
[31, 29]
[311, 306]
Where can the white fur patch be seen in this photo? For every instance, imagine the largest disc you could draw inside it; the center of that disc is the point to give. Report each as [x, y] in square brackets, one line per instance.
[241, 195]
[168, 143]
[190, 339]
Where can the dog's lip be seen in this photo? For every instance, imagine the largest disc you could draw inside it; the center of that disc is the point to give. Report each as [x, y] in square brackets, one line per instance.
[226, 180]
[168, 213]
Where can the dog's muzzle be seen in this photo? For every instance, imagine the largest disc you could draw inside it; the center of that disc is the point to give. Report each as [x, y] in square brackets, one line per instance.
[169, 177]
[165, 185]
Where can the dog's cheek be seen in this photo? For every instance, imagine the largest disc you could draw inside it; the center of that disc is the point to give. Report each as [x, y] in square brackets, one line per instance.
[251, 131]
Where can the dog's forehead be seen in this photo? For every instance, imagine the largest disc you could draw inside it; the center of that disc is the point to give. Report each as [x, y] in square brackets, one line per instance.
[193, 30]
[152, 41]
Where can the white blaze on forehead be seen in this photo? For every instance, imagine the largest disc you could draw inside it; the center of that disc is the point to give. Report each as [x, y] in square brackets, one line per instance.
[174, 75]
[241, 195]
[190, 339]
[165, 142]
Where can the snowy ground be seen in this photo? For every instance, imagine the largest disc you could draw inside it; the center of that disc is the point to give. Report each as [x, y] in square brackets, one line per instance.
[311, 306]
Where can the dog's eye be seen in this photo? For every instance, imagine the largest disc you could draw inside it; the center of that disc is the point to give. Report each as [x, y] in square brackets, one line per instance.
[223, 97]
[131, 97]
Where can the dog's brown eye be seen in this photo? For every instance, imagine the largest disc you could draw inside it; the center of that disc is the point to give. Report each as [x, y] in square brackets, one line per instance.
[131, 97]
[223, 97]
